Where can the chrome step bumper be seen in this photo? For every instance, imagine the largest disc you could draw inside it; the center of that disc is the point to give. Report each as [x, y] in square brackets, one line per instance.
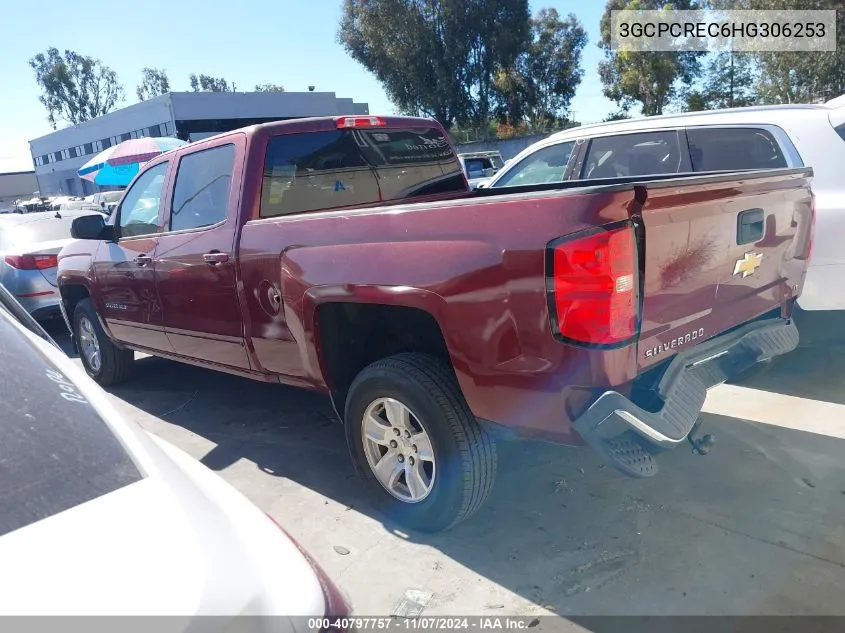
[683, 388]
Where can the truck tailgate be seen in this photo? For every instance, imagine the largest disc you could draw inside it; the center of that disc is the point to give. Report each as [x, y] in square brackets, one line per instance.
[719, 251]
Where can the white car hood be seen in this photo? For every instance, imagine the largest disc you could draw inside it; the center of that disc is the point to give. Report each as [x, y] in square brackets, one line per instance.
[132, 551]
[178, 541]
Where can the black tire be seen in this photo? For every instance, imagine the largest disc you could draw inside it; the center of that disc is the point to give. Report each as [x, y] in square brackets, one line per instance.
[464, 453]
[116, 363]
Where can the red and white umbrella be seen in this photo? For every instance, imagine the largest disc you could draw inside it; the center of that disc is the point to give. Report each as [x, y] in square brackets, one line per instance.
[117, 165]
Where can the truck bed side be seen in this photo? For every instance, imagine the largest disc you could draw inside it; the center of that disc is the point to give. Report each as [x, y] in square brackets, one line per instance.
[478, 266]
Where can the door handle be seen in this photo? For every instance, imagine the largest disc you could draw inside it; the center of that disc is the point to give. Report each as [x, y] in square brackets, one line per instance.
[143, 260]
[215, 258]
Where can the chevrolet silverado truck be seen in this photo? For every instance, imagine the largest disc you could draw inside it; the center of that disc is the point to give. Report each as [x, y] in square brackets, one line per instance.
[346, 255]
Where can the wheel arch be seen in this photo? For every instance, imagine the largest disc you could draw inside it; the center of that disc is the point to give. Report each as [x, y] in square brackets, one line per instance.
[351, 332]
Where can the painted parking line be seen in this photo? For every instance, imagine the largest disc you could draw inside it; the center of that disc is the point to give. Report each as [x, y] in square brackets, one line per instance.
[791, 412]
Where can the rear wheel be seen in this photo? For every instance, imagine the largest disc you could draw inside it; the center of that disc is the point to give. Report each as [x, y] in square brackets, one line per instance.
[104, 361]
[422, 454]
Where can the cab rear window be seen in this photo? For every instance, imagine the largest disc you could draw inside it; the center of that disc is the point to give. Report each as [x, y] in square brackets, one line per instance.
[327, 170]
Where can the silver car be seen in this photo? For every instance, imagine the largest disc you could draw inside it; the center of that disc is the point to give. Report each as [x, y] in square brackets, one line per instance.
[29, 246]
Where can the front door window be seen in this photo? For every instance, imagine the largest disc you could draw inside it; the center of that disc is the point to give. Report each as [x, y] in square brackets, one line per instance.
[139, 209]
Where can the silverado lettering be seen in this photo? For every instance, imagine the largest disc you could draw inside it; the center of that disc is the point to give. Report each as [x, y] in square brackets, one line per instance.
[346, 255]
[675, 342]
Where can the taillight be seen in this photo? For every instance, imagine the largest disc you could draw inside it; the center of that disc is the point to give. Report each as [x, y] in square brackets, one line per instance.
[593, 286]
[345, 122]
[32, 262]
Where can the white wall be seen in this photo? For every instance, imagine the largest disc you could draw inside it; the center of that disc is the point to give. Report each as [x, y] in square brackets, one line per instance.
[16, 185]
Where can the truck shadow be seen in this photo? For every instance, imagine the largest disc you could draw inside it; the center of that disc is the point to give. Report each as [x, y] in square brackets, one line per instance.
[754, 527]
[816, 373]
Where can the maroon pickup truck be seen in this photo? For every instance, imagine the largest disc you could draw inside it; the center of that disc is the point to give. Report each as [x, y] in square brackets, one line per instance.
[346, 255]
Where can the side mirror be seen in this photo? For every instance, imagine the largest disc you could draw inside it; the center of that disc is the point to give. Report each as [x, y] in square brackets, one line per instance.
[91, 227]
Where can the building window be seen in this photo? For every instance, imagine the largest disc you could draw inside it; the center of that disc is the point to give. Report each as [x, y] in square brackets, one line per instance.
[105, 144]
[57, 156]
[72, 152]
[125, 137]
[155, 130]
[133, 134]
[166, 129]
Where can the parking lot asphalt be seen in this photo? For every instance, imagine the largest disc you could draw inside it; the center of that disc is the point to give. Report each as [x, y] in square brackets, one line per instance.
[755, 527]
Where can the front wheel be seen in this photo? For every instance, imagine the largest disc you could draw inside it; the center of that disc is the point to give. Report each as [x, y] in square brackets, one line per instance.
[421, 452]
[104, 361]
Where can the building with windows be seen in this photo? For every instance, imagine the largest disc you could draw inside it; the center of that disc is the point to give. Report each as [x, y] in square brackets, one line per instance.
[187, 115]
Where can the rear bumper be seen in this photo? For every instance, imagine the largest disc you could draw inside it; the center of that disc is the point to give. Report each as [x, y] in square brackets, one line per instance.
[683, 387]
[41, 307]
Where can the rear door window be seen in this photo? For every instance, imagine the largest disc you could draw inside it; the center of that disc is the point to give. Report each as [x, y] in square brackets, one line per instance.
[201, 192]
[717, 149]
[327, 170]
[639, 154]
[547, 164]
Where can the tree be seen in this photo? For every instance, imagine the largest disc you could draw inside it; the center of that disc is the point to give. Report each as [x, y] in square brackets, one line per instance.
[499, 31]
[154, 84]
[797, 77]
[619, 115]
[207, 83]
[542, 82]
[695, 101]
[436, 57]
[650, 78]
[269, 88]
[74, 87]
[729, 81]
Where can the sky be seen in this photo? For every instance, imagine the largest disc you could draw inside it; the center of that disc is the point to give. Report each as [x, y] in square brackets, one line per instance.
[286, 42]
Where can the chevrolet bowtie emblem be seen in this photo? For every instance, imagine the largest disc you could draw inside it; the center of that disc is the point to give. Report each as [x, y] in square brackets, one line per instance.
[749, 264]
